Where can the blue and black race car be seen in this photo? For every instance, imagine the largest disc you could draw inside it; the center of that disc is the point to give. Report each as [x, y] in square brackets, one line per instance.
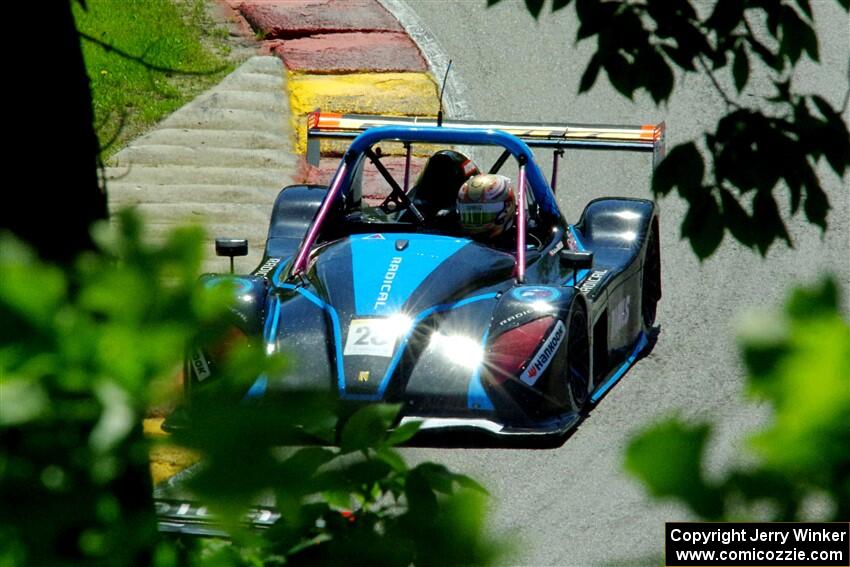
[386, 300]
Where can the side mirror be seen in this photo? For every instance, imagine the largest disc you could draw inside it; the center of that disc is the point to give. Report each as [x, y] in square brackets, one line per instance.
[231, 247]
[577, 260]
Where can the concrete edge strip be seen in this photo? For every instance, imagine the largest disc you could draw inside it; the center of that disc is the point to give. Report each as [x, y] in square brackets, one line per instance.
[435, 56]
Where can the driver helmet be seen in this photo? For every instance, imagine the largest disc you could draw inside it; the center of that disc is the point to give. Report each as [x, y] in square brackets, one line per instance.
[486, 205]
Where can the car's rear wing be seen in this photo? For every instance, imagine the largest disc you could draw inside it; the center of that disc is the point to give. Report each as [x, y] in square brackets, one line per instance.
[645, 138]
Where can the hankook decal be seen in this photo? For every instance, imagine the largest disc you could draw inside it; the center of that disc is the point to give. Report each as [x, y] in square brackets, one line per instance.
[200, 365]
[544, 355]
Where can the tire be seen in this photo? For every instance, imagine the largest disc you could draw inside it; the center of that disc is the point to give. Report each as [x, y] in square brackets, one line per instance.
[577, 367]
[651, 286]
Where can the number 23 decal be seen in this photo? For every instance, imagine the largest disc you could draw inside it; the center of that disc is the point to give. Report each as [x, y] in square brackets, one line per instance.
[370, 337]
[365, 336]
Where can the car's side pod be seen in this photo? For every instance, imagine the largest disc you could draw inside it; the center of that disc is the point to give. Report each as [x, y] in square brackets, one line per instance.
[245, 324]
[616, 223]
[526, 350]
[246, 309]
[293, 211]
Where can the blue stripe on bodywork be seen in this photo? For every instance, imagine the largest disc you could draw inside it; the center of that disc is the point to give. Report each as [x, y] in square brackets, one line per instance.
[337, 333]
[382, 387]
[278, 271]
[385, 278]
[271, 332]
[639, 346]
[336, 330]
[258, 388]
[476, 397]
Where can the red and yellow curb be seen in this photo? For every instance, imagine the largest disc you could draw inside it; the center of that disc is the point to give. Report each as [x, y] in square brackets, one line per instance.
[343, 56]
[166, 459]
[402, 94]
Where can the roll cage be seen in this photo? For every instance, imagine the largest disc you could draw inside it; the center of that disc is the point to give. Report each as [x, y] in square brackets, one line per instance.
[529, 177]
[514, 139]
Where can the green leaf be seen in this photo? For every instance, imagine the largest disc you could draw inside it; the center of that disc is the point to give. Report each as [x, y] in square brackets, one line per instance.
[305, 461]
[392, 458]
[22, 401]
[403, 433]
[818, 301]
[469, 483]
[741, 68]
[420, 497]
[36, 304]
[668, 458]
[368, 427]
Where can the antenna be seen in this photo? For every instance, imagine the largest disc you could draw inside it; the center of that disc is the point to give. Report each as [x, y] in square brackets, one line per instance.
[442, 90]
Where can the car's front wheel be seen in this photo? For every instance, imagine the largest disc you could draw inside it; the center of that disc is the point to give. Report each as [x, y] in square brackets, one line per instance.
[578, 358]
[651, 292]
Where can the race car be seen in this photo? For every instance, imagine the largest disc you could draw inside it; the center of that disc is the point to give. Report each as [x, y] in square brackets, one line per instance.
[381, 297]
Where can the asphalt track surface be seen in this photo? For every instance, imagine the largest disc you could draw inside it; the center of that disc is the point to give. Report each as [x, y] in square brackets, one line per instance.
[574, 505]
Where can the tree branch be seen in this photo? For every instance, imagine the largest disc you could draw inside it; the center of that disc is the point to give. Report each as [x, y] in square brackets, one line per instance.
[141, 61]
[717, 87]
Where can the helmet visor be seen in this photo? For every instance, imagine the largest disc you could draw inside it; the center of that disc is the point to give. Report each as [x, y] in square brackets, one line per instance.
[479, 216]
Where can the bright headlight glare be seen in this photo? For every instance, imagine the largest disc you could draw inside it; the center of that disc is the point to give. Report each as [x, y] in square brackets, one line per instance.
[459, 349]
[541, 306]
[397, 325]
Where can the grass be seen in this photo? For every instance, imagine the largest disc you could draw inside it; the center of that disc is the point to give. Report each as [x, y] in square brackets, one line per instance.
[129, 97]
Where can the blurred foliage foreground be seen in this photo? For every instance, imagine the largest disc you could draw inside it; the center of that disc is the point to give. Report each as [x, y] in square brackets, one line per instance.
[84, 353]
[798, 364]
